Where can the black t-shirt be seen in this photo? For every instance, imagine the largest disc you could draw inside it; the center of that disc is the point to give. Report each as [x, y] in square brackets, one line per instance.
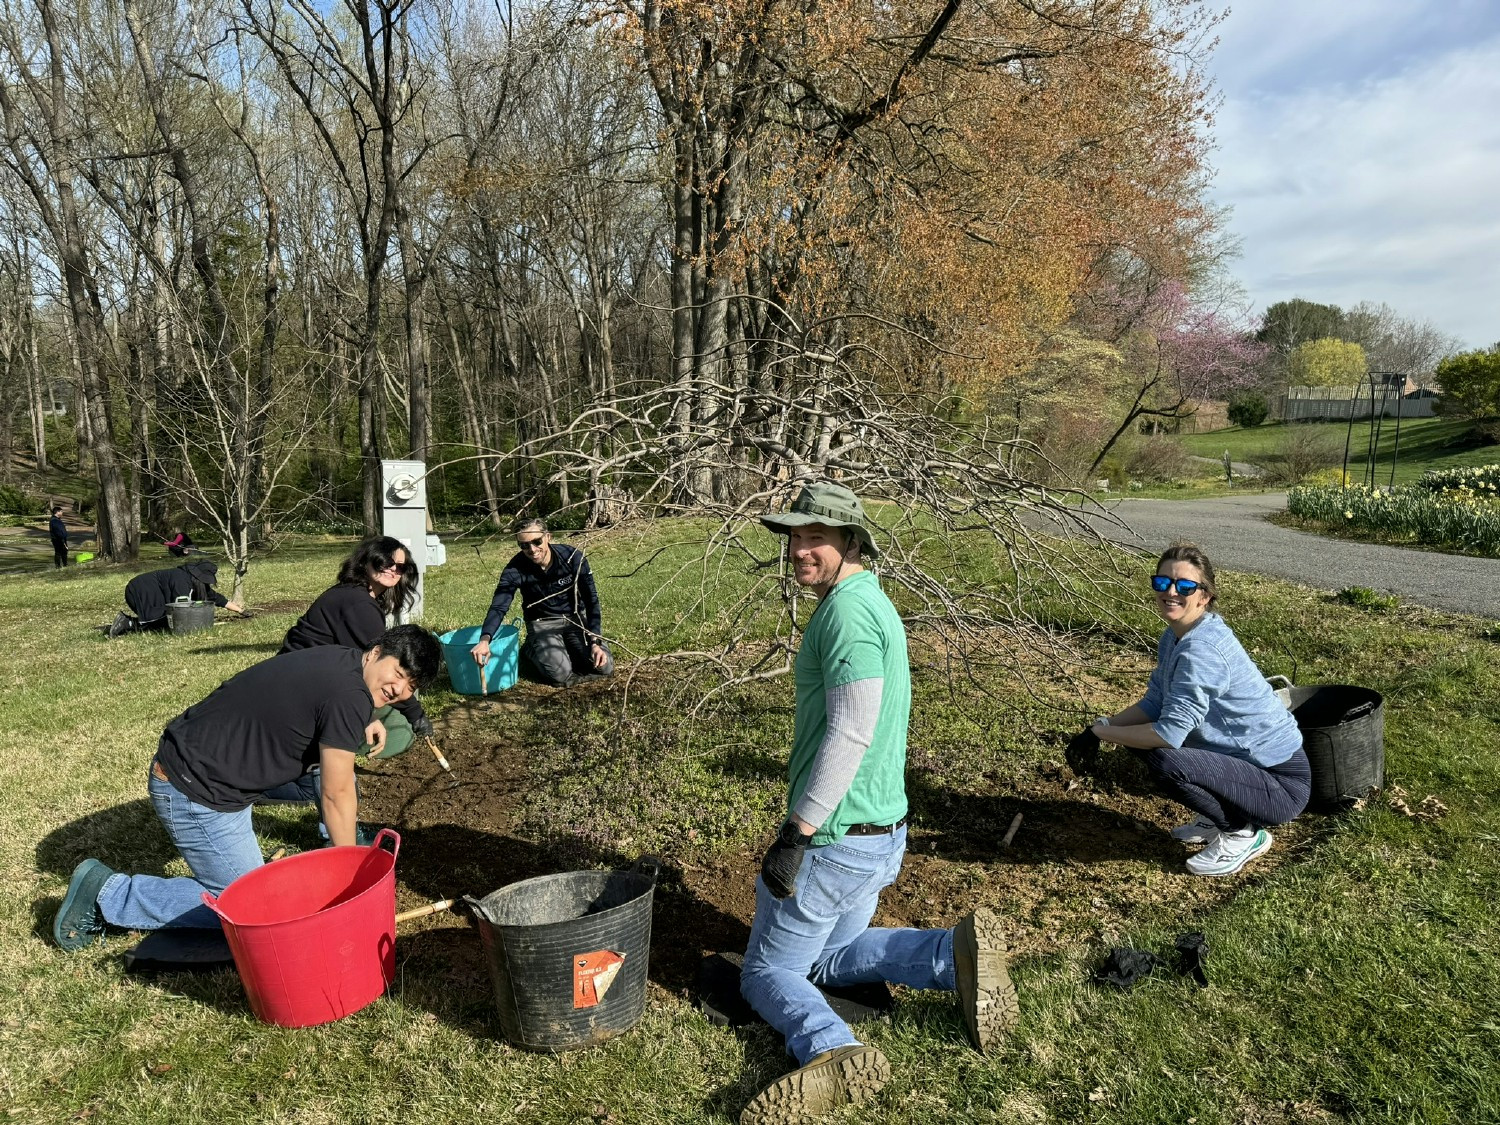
[264, 727]
[345, 615]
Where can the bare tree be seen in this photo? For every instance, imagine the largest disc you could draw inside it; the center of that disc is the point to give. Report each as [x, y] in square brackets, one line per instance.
[355, 82]
[41, 139]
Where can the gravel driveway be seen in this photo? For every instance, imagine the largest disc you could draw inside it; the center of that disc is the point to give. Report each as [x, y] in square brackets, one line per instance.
[1234, 532]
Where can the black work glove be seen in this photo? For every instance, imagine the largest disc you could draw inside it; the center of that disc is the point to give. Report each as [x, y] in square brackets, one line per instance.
[1082, 752]
[1192, 952]
[422, 727]
[783, 860]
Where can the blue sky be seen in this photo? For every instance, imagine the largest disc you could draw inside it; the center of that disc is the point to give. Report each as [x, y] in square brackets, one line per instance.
[1358, 145]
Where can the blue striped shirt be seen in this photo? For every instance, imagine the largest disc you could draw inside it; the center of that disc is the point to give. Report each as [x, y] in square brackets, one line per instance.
[1206, 693]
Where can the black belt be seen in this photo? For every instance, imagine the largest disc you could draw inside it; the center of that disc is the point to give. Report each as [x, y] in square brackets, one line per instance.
[874, 829]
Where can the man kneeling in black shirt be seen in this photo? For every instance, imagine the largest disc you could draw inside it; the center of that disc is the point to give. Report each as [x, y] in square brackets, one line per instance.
[259, 729]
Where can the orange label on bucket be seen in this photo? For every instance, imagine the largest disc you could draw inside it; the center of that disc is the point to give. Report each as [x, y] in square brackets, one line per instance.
[593, 973]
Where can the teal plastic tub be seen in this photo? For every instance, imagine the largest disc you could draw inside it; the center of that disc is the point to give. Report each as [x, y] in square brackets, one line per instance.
[498, 673]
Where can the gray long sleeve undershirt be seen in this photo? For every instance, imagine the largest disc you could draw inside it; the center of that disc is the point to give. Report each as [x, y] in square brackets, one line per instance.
[853, 710]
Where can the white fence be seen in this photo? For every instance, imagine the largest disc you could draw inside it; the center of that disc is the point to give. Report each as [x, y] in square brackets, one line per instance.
[1302, 404]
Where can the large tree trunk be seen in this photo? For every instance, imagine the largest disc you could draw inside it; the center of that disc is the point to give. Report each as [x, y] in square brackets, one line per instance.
[39, 401]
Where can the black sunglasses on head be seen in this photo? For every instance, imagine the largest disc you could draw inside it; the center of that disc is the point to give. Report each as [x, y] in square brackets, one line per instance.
[1185, 586]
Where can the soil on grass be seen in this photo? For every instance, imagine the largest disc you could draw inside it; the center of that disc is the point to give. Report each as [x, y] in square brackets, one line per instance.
[1088, 858]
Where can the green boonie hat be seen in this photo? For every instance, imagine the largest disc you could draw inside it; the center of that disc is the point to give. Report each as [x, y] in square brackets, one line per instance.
[827, 503]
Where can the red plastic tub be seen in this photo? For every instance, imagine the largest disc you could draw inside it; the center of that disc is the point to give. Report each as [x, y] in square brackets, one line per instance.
[314, 935]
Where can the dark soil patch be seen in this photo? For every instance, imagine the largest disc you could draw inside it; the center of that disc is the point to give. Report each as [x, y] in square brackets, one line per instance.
[1090, 859]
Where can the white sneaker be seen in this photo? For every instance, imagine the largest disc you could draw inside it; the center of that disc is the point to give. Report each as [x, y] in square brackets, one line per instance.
[1227, 852]
[1199, 831]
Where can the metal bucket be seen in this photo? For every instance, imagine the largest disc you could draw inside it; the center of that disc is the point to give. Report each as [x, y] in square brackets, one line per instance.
[568, 954]
[190, 617]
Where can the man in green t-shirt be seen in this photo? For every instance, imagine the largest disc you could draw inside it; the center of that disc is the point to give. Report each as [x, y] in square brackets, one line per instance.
[845, 833]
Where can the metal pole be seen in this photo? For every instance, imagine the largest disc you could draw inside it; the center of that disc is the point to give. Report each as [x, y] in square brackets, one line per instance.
[1400, 410]
[1370, 438]
[1377, 421]
[1348, 434]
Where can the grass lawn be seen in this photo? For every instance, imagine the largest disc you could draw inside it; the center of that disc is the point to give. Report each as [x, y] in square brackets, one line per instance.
[1426, 443]
[1355, 970]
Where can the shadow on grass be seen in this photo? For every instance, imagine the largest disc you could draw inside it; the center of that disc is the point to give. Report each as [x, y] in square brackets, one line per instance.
[128, 837]
[1098, 819]
[270, 648]
[969, 828]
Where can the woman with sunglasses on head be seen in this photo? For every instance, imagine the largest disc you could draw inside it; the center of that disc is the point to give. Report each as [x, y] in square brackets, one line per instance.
[378, 580]
[1210, 729]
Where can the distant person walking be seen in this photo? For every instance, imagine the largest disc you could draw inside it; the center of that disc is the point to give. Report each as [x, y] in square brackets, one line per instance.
[57, 531]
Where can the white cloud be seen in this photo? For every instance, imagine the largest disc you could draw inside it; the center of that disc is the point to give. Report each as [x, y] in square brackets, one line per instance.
[1360, 156]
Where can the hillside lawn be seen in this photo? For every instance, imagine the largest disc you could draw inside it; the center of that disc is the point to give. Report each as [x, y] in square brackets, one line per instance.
[1355, 971]
[1425, 443]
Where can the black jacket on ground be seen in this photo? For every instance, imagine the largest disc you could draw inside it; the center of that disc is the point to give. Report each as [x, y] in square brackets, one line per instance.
[147, 594]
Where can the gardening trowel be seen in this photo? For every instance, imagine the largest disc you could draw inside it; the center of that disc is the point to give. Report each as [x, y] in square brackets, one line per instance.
[442, 761]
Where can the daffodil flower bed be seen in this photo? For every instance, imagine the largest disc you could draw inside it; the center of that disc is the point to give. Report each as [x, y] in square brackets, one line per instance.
[1463, 513]
[1479, 480]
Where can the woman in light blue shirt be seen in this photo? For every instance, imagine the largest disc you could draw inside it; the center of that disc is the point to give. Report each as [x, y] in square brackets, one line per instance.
[1209, 728]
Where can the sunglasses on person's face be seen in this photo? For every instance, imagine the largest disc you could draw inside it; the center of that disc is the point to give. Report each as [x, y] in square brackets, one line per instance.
[1185, 586]
[389, 567]
[528, 544]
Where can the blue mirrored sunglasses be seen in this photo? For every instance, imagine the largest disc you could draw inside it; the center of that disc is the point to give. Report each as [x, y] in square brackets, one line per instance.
[1185, 586]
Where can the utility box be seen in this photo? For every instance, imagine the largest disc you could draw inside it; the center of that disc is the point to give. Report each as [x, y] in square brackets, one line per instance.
[403, 491]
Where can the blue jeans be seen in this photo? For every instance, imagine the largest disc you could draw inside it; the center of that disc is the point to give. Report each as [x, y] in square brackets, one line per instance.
[219, 847]
[821, 936]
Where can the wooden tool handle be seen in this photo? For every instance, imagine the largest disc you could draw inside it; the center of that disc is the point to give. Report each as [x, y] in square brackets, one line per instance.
[437, 907]
[1011, 835]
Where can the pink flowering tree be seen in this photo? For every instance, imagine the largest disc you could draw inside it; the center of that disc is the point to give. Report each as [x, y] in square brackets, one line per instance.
[1177, 353]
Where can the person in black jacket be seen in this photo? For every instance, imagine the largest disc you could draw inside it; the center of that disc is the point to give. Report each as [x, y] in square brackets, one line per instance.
[147, 595]
[561, 606]
[57, 531]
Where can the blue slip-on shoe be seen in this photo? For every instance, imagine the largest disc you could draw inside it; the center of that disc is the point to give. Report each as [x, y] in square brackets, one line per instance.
[78, 920]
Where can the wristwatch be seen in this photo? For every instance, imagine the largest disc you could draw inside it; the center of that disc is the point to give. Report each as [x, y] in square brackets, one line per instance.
[1101, 721]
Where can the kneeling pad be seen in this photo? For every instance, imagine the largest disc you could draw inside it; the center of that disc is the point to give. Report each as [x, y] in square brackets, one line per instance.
[188, 950]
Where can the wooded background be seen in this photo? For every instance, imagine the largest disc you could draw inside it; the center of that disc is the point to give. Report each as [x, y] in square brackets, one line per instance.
[599, 258]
